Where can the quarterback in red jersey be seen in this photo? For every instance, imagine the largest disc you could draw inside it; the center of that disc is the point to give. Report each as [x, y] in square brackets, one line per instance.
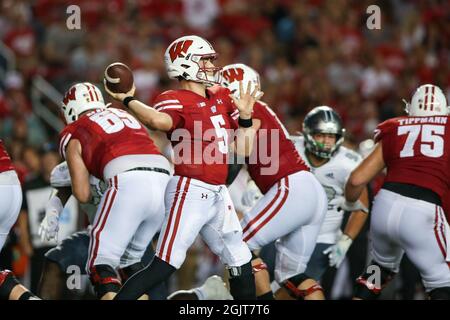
[407, 215]
[113, 146]
[294, 203]
[197, 119]
[10, 202]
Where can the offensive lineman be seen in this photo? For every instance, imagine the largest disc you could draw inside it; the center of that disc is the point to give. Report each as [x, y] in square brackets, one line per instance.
[113, 146]
[197, 119]
[407, 215]
[294, 203]
[73, 251]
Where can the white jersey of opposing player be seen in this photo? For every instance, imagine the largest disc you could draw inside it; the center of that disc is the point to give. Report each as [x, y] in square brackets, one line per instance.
[60, 177]
[332, 176]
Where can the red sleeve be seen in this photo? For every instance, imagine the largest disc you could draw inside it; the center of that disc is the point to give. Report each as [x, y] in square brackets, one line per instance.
[64, 138]
[170, 104]
[383, 129]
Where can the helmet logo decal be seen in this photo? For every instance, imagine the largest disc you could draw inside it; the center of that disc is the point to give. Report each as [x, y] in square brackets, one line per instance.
[91, 95]
[70, 95]
[178, 48]
[234, 74]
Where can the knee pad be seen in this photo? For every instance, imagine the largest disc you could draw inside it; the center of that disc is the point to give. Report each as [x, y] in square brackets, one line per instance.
[440, 293]
[291, 285]
[127, 272]
[368, 290]
[104, 279]
[242, 282]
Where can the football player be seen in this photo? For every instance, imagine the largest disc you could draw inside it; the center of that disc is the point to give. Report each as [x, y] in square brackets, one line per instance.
[294, 203]
[197, 119]
[321, 147]
[113, 146]
[407, 215]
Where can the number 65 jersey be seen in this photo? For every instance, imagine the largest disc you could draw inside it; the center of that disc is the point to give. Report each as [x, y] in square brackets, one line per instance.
[106, 134]
[416, 150]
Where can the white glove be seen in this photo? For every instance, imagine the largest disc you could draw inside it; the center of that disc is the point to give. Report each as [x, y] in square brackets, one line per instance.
[251, 195]
[336, 253]
[351, 206]
[49, 227]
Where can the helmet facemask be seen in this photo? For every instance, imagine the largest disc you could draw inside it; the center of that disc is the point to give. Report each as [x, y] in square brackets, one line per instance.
[207, 75]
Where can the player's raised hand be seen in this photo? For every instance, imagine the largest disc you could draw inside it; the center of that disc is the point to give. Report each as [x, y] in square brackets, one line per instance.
[119, 96]
[246, 100]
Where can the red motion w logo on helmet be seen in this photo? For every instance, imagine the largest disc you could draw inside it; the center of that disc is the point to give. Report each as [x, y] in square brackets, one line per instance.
[70, 95]
[235, 74]
[178, 48]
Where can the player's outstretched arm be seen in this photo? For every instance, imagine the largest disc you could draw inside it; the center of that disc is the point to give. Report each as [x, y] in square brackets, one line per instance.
[152, 118]
[357, 218]
[364, 173]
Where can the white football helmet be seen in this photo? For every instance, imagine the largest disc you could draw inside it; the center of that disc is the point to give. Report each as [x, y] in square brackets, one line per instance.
[233, 73]
[80, 98]
[182, 59]
[428, 100]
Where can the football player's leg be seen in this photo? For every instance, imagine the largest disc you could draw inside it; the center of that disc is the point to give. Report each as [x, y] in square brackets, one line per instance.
[153, 216]
[295, 249]
[10, 203]
[293, 253]
[262, 225]
[386, 251]
[69, 256]
[223, 235]
[118, 217]
[427, 247]
[186, 213]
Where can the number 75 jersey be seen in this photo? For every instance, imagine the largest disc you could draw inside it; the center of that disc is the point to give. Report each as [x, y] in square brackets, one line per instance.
[106, 134]
[416, 150]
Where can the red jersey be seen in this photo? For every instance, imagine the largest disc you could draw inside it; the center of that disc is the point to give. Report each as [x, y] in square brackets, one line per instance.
[199, 135]
[106, 134]
[274, 155]
[416, 150]
[5, 160]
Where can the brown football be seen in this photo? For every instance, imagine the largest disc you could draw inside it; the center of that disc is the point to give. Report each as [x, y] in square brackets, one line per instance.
[118, 77]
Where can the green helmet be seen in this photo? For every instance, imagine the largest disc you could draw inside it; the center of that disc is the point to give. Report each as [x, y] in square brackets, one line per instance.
[322, 119]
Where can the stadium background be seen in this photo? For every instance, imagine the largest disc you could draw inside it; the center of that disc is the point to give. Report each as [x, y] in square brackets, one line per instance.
[309, 53]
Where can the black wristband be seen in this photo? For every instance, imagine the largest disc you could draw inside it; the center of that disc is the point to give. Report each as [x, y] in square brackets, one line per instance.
[245, 123]
[127, 100]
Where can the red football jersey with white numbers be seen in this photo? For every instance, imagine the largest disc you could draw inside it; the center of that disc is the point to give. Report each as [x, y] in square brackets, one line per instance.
[5, 160]
[274, 155]
[106, 134]
[199, 135]
[416, 150]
